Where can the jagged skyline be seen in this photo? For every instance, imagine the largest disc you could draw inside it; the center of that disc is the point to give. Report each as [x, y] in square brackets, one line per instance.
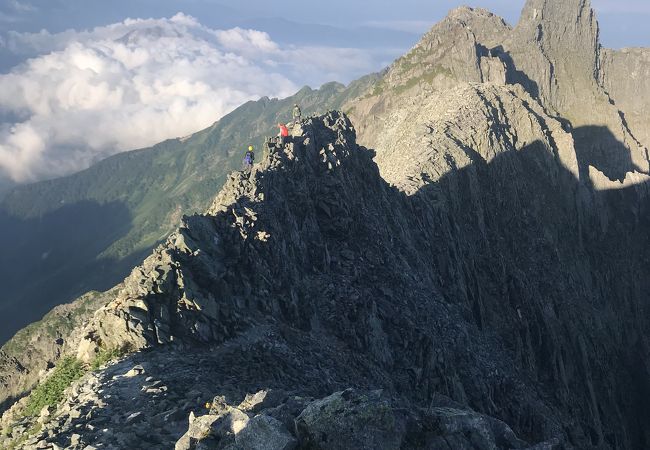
[619, 18]
[65, 72]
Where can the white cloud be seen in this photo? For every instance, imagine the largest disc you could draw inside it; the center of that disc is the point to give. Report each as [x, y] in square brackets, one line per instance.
[86, 95]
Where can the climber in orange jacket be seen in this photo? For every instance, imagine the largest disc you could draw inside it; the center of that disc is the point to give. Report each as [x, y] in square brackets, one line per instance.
[284, 133]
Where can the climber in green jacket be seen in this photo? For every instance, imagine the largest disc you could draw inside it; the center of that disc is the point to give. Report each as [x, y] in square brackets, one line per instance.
[297, 114]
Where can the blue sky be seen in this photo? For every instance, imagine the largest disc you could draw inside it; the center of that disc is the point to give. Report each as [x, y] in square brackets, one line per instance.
[81, 80]
[623, 22]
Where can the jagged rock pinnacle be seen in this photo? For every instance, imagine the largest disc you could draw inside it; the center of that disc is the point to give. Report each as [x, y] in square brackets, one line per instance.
[167, 300]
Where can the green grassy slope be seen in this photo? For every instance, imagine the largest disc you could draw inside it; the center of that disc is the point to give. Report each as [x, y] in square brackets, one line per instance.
[63, 237]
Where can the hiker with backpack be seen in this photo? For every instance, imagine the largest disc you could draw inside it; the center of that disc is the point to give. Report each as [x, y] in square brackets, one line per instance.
[249, 158]
[284, 133]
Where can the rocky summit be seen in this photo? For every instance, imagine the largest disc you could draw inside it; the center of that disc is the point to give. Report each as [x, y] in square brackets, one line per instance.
[460, 261]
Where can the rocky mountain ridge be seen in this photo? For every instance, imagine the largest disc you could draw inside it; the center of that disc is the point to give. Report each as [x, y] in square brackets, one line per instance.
[471, 45]
[554, 54]
[295, 271]
[226, 280]
[114, 213]
[488, 275]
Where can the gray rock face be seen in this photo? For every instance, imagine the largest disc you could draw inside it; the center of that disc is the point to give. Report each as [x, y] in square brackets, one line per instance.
[625, 75]
[350, 420]
[556, 45]
[353, 419]
[583, 104]
[554, 53]
[264, 433]
[430, 136]
[457, 50]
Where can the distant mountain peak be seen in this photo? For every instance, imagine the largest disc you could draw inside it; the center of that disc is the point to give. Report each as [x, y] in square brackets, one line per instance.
[467, 13]
[562, 27]
[149, 33]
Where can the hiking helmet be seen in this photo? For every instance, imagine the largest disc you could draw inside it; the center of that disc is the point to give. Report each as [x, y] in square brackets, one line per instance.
[250, 148]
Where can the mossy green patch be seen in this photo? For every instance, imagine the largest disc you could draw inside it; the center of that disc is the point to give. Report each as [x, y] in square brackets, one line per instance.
[69, 369]
[50, 392]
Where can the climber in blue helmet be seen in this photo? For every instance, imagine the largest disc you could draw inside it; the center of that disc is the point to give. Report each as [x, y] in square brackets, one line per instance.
[249, 158]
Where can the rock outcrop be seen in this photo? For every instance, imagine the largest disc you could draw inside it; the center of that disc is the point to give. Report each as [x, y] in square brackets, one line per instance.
[556, 45]
[554, 54]
[625, 76]
[456, 49]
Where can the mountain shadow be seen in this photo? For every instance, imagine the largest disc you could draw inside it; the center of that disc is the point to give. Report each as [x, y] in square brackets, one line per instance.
[596, 146]
[559, 272]
[513, 75]
[53, 259]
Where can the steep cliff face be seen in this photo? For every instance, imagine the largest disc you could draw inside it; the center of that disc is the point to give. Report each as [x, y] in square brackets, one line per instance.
[625, 75]
[556, 44]
[595, 198]
[551, 224]
[556, 55]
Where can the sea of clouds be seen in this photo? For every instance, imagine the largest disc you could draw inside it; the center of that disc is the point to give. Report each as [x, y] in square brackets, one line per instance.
[84, 95]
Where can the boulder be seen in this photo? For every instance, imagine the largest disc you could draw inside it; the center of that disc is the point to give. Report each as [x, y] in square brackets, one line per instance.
[350, 420]
[264, 433]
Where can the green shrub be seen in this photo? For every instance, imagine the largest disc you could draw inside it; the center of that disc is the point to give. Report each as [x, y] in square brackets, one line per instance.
[50, 392]
[106, 355]
[69, 369]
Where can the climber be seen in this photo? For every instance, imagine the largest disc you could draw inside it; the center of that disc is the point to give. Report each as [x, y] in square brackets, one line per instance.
[297, 114]
[249, 157]
[284, 133]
